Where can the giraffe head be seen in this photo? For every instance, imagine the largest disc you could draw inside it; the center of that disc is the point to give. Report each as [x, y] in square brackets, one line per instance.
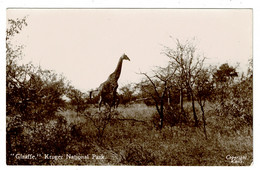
[124, 57]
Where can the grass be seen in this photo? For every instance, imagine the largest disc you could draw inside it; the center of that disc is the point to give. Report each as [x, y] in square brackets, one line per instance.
[131, 138]
[139, 143]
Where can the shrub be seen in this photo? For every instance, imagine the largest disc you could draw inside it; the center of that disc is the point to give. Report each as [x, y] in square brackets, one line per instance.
[100, 120]
[137, 155]
[172, 116]
[78, 100]
[238, 107]
[37, 138]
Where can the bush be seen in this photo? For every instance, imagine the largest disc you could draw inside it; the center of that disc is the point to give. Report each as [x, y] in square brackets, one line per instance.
[100, 121]
[238, 106]
[235, 99]
[36, 96]
[137, 155]
[79, 101]
[36, 138]
[127, 95]
[172, 117]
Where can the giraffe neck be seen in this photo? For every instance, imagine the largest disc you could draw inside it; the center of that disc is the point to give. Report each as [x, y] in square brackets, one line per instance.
[118, 69]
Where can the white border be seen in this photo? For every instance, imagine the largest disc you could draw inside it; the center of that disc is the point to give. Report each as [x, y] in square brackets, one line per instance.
[128, 4]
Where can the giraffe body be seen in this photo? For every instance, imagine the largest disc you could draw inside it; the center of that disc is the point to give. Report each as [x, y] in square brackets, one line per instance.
[107, 90]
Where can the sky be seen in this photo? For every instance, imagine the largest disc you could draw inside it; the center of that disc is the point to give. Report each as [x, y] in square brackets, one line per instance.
[85, 44]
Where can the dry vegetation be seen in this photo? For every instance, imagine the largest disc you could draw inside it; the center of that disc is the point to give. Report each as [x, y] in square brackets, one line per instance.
[130, 142]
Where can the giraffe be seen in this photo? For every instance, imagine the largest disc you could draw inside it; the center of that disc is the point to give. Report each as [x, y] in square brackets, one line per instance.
[107, 90]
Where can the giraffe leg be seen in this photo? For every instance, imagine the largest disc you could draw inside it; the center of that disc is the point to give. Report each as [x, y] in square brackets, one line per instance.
[114, 97]
[114, 101]
[100, 103]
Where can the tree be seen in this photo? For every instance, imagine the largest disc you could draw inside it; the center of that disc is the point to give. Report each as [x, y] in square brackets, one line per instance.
[203, 91]
[223, 78]
[157, 87]
[188, 66]
[225, 73]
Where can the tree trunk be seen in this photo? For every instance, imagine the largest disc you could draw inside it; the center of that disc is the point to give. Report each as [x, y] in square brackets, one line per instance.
[161, 111]
[169, 101]
[181, 103]
[193, 108]
[204, 120]
[161, 121]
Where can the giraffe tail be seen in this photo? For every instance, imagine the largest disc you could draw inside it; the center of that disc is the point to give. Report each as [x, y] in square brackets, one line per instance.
[91, 93]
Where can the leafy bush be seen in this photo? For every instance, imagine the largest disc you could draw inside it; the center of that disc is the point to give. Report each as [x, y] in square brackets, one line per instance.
[36, 138]
[235, 99]
[238, 109]
[238, 104]
[79, 101]
[36, 94]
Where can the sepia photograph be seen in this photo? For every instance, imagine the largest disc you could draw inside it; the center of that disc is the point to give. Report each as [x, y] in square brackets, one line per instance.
[135, 87]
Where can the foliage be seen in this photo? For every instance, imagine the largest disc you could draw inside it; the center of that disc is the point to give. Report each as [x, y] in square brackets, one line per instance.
[235, 98]
[38, 139]
[203, 86]
[15, 26]
[223, 79]
[238, 106]
[126, 95]
[78, 100]
[225, 73]
[172, 117]
[34, 93]
[100, 120]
